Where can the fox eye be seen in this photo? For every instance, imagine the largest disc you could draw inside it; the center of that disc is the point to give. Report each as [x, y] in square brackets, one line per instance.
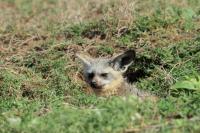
[104, 75]
[90, 75]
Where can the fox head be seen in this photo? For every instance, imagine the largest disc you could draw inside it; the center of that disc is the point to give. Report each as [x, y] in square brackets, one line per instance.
[103, 73]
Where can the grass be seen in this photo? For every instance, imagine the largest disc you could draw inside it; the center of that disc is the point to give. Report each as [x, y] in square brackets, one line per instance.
[41, 88]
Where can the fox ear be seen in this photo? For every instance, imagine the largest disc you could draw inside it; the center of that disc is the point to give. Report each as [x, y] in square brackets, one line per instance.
[123, 61]
[85, 59]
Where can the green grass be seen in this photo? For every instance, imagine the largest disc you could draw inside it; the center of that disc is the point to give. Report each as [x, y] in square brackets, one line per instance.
[40, 85]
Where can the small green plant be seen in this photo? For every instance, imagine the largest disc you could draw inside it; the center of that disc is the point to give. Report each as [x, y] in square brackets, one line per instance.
[190, 83]
[106, 49]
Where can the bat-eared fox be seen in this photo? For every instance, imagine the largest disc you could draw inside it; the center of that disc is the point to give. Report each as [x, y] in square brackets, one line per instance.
[105, 75]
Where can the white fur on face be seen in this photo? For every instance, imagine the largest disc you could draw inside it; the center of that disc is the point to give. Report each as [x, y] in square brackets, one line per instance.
[99, 67]
[112, 75]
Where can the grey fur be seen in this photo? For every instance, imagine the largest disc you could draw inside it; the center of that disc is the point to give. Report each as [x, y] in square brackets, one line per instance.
[131, 89]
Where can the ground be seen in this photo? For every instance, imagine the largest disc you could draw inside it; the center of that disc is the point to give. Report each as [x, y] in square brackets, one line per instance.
[41, 87]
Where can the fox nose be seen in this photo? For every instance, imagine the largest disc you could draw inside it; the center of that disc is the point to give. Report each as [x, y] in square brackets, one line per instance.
[94, 84]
